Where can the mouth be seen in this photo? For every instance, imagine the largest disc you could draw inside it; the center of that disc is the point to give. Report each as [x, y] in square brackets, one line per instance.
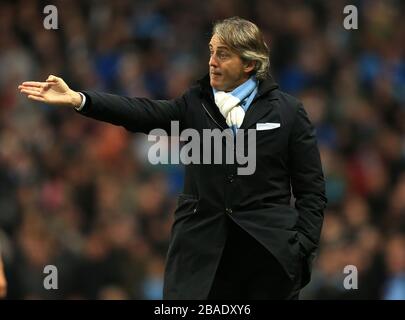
[215, 74]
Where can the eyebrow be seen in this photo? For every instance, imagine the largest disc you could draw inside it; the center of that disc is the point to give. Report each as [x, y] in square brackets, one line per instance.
[219, 47]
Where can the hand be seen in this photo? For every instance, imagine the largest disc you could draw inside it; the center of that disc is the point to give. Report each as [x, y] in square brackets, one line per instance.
[3, 282]
[53, 91]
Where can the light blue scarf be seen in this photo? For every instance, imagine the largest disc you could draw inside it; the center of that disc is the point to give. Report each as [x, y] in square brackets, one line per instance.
[234, 104]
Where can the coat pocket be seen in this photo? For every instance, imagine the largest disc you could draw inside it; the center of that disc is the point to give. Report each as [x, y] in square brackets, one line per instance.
[307, 256]
[187, 204]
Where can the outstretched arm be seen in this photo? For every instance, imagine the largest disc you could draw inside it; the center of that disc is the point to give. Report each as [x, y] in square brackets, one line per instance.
[135, 114]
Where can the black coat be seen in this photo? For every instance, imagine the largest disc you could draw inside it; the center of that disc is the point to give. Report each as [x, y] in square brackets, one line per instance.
[287, 160]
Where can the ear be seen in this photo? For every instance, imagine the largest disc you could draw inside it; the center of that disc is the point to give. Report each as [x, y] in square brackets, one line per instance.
[249, 66]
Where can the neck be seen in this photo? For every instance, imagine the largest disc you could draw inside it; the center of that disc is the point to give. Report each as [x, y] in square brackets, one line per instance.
[242, 81]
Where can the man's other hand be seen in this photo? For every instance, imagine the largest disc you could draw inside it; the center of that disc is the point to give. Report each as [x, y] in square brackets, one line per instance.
[53, 91]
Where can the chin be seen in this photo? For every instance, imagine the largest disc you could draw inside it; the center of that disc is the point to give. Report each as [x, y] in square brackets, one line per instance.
[216, 86]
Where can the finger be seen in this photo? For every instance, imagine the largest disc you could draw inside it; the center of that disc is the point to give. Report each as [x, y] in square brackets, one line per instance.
[36, 98]
[53, 78]
[21, 88]
[31, 91]
[33, 84]
[37, 89]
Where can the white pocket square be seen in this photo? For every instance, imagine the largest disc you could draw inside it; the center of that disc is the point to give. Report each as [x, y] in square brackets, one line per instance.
[267, 126]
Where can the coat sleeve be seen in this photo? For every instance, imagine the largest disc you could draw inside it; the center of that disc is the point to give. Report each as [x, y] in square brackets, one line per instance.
[307, 181]
[134, 114]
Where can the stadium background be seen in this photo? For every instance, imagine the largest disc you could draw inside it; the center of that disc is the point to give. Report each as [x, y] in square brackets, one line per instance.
[81, 195]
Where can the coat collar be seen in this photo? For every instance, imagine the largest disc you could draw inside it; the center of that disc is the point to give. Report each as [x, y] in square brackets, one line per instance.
[255, 111]
[264, 86]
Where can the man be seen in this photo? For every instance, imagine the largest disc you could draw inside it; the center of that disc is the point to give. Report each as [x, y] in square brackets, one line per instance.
[234, 236]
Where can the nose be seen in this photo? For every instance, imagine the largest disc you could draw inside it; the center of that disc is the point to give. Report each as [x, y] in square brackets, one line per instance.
[212, 62]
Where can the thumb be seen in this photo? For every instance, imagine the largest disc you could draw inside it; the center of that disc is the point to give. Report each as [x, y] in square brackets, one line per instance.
[52, 78]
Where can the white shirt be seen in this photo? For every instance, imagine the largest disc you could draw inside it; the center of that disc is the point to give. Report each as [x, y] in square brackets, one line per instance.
[83, 102]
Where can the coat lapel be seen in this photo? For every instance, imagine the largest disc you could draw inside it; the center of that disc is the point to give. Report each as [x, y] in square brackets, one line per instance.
[207, 98]
[258, 109]
[261, 104]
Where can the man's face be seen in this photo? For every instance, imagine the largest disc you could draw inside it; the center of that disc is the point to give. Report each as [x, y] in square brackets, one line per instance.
[227, 70]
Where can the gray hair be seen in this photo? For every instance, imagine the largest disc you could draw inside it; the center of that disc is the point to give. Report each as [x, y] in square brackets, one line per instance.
[244, 38]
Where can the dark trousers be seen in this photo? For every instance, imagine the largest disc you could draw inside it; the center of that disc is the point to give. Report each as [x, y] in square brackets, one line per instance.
[247, 270]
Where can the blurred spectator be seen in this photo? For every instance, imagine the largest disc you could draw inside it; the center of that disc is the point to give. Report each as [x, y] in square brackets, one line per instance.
[3, 280]
[395, 261]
